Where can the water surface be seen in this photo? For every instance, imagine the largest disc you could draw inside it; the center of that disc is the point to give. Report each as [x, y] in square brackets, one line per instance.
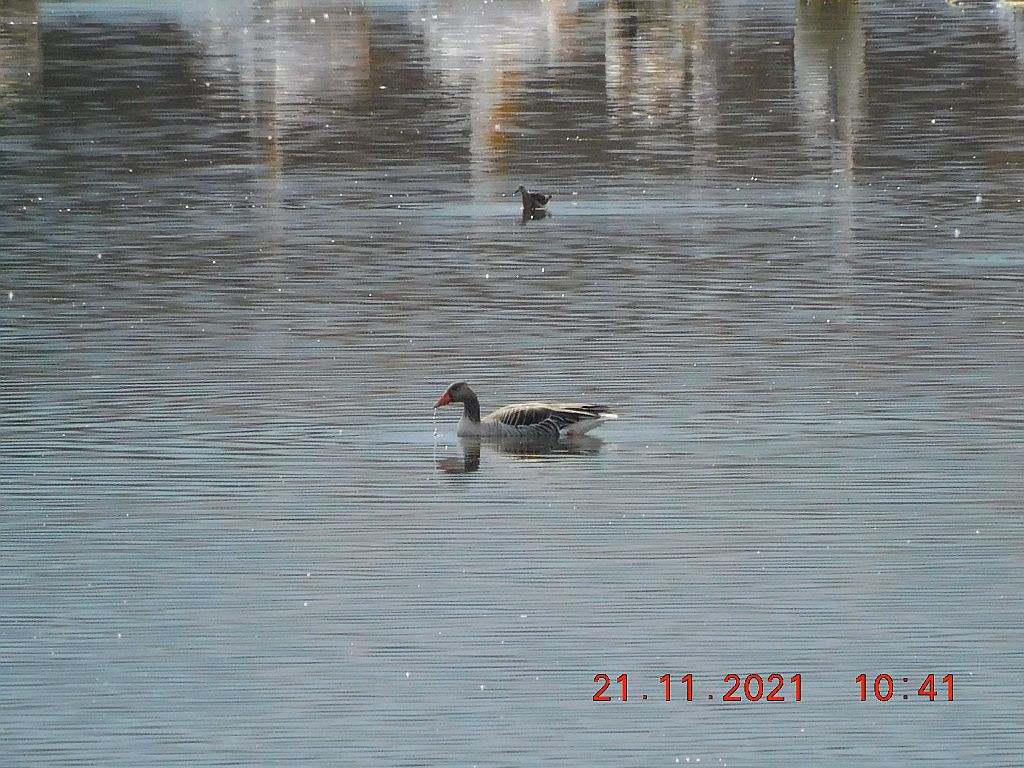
[245, 246]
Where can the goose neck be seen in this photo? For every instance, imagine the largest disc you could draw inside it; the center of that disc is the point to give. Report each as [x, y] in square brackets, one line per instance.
[471, 408]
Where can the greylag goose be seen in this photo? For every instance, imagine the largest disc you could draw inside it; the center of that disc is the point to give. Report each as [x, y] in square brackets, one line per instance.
[523, 421]
[532, 201]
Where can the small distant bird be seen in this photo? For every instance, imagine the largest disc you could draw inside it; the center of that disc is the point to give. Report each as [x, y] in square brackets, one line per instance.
[524, 421]
[532, 201]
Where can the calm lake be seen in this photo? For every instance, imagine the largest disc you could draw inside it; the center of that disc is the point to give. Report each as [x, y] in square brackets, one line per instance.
[246, 245]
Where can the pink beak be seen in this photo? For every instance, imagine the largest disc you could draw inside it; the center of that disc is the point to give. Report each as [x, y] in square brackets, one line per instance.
[443, 400]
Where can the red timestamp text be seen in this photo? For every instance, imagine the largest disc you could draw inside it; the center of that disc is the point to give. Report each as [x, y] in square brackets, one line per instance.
[885, 687]
[753, 687]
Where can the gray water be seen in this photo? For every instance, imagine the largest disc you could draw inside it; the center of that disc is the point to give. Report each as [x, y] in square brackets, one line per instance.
[245, 246]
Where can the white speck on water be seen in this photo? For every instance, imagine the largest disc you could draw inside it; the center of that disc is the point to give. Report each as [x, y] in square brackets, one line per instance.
[487, 275]
[305, 603]
[10, 295]
[956, 232]
[977, 198]
[383, 87]
[408, 675]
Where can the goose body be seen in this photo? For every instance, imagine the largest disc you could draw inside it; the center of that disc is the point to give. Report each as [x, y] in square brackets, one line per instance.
[532, 201]
[523, 421]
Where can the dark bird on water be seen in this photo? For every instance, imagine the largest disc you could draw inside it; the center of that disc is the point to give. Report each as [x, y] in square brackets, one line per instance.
[532, 201]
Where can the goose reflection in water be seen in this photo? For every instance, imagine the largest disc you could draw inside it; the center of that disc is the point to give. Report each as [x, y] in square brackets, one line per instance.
[519, 449]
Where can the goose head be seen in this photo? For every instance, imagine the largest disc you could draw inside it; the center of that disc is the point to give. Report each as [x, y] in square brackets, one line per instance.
[459, 392]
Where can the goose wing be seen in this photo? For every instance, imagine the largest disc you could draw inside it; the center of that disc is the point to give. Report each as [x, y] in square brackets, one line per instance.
[546, 418]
